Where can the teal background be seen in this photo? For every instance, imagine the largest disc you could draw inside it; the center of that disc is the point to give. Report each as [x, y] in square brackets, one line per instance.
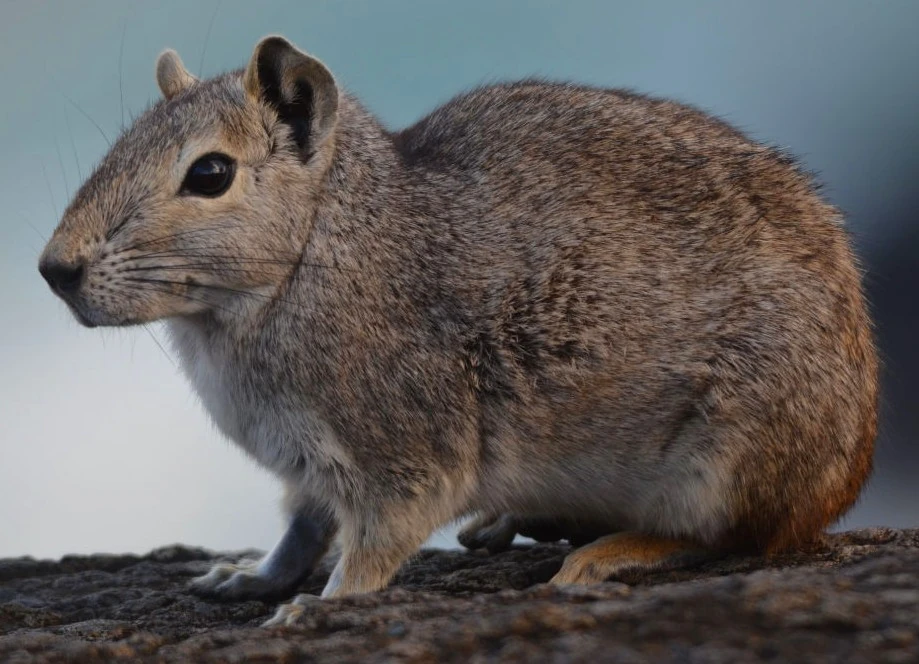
[102, 444]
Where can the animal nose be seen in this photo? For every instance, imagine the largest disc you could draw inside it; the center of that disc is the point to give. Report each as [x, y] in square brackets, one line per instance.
[62, 277]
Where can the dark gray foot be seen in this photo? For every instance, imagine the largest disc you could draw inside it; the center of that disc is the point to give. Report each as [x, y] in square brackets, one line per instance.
[275, 576]
[549, 530]
[496, 533]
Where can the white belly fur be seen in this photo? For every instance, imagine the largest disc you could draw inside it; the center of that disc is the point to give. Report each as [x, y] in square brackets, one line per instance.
[285, 438]
[291, 441]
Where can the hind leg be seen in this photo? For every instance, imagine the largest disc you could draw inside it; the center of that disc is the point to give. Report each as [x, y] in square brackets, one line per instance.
[614, 554]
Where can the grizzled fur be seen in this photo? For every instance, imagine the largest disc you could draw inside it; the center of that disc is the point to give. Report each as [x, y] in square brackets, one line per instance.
[551, 301]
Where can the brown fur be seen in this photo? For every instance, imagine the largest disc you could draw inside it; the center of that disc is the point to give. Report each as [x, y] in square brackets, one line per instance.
[551, 301]
[615, 554]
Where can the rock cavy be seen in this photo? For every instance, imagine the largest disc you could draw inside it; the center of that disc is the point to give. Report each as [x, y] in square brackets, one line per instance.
[563, 309]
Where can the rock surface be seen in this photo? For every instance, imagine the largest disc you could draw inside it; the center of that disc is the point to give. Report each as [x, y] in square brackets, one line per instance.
[857, 599]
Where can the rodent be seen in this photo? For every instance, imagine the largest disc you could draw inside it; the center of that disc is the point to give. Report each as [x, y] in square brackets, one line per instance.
[542, 304]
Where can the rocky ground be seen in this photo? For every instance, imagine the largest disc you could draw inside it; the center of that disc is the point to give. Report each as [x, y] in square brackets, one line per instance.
[856, 600]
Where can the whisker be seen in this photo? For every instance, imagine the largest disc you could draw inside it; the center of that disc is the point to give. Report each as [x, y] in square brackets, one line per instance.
[33, 227]
[166, 291]
[162, 286]
[216, 259]
[271, 298]
[207, 38]
[86, 115]
[157, 342]
[193, 255]
[73, 145]
[50, 192]
[172, 236]
[191, 252]
[224, 263]
[192, 266]
[124, 30]
[60, 161]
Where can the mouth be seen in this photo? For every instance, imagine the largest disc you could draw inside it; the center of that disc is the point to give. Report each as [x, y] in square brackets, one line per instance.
[91, 317]
[70, 299]
[87, 315]
[83, 318]
[84, 321]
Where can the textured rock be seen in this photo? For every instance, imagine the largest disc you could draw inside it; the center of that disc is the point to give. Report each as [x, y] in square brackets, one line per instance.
[856, 599]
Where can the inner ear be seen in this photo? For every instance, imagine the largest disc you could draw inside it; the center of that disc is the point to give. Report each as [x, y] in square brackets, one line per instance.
[300, 89]
[293, 102]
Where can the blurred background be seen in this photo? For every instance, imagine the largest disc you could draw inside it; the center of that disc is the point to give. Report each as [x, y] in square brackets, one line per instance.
[102, 444]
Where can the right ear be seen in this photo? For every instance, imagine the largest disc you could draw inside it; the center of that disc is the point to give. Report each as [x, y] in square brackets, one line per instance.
[298, 86]
[171, 75]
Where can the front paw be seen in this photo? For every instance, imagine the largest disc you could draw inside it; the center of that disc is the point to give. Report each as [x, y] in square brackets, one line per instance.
[235, 582]
[288, 614]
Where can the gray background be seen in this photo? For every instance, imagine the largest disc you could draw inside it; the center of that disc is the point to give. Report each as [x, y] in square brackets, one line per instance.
[102, 444]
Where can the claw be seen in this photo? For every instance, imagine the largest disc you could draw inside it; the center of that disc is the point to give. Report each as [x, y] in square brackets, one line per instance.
[229, 582]
[289, 614]
[209, 584]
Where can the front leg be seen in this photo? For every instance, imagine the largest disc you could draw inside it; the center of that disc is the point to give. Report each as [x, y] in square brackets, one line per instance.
[279, 573]
[374, 546]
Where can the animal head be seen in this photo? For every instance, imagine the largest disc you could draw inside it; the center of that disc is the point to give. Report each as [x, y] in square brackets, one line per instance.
[205, 199]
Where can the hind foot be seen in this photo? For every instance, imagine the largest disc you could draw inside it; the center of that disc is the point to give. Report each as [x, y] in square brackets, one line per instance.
[495, 533]
[614, 554]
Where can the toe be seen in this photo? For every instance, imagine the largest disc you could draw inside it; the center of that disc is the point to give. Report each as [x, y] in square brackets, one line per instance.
[580, 571]
[288, 614]
[208, 583]
[242, 585]
[471, 535]
[495, 533]
[499, 537]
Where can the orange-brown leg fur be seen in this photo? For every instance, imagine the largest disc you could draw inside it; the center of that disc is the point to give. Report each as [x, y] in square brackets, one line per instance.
[620, 552]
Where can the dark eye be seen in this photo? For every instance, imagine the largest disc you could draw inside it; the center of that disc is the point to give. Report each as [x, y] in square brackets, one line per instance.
[211, 175]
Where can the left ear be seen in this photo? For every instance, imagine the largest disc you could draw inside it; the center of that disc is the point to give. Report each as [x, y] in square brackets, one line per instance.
[298, 86]
[171, 75]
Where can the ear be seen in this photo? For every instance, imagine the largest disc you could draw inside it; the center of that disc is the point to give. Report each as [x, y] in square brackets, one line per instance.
[298, 86]
[171, 75]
